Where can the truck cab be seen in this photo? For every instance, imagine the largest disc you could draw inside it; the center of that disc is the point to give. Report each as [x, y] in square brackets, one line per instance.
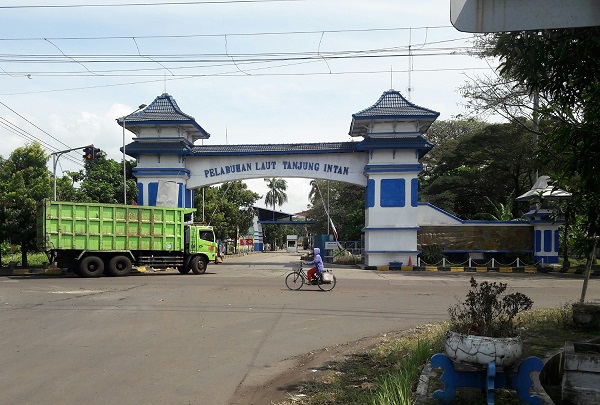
[201, 248]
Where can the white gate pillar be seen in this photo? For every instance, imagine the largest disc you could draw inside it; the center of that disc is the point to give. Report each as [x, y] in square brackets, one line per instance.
[392, 130]
[165, 136]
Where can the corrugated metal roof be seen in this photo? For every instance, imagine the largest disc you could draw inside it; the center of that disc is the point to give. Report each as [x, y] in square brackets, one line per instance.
[391, 104]
[177, 146]
[271, 149]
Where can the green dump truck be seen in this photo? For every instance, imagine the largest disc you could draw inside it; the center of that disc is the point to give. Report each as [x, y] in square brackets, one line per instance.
[92, 239]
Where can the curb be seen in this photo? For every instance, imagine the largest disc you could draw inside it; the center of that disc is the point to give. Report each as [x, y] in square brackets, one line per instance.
[460, 269]
[55, 271]
[51, 271]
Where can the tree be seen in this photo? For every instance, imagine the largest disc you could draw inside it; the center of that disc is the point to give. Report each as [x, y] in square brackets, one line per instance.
[561, 67]
[445, 135]
[227, 208]
[24, 181]
[345, 204]
[65, 186]
[276, 194]
[277, 234]
[491, 161]
[103, 182]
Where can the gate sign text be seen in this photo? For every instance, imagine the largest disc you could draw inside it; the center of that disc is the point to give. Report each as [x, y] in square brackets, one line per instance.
[272, 166]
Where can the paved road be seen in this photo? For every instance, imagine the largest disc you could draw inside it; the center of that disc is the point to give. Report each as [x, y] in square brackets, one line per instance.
[174, 339]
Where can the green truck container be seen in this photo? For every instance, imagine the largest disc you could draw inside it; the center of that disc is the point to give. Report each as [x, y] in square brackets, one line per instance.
[90, 239]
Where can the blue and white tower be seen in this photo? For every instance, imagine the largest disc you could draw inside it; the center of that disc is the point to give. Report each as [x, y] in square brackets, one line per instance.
[164, 137]
[392, 129]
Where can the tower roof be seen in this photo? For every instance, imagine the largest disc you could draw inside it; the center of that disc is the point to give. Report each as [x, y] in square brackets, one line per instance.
[392, 106]
[164, 111]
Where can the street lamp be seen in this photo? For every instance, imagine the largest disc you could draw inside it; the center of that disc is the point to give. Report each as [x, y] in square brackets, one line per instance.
[124, 164]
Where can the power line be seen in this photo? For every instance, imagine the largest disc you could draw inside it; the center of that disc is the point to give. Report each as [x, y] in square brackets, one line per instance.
[30, 137]
[232, 34]
[20, 116]
[9, 126]
[237, 74]
[254, 59]
[162, 3]
[113, 57]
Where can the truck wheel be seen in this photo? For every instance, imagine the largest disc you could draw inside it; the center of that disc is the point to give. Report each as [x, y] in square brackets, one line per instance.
[183, 269]
[119, 266]
[91, 266]
[198, 265]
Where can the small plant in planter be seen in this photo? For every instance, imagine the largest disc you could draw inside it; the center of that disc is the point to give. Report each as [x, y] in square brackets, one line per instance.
[432, 254]
[482, 326]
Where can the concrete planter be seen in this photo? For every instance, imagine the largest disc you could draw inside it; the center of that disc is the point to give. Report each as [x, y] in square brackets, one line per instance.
[504, 352]
[581, 377]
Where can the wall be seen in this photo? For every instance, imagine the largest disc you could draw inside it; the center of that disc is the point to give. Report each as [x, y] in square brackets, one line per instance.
[478, 237]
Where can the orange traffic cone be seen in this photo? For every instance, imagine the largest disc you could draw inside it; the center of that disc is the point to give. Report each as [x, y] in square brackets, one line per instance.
[410, 260]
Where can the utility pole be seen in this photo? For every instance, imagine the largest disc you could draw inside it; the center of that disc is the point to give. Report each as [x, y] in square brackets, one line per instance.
[57, 155]
[124, 159]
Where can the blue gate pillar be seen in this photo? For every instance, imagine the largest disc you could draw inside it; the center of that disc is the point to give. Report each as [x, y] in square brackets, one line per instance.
[392, 130]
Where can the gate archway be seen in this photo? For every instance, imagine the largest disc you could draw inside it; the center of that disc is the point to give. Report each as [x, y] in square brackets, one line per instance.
[384, 159]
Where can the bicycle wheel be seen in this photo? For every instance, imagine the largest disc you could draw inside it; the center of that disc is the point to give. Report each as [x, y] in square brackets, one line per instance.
[294, 281]
[327, 286]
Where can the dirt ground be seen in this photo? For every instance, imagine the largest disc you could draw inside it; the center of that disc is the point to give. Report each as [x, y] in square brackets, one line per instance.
[306, 367]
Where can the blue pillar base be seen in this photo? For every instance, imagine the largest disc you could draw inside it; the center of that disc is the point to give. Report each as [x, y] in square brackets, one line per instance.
[487, 380]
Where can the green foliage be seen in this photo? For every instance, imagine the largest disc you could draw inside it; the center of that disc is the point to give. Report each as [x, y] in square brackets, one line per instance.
[397, 386]
[227, 208]
[501, 212]
[65, 186]
[276, 235]
[12, 253]
[103, 182]
[561, 66]
[386, 374]
[432, 254]
[276, 194]
[346, 206]
[377, 376]
[476, 162]
[24, 180]
[488, 310]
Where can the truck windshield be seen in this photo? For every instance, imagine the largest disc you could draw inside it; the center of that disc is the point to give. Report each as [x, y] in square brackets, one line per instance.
[207, 235]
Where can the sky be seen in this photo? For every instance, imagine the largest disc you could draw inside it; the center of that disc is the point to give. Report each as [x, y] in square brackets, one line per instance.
[248, 71]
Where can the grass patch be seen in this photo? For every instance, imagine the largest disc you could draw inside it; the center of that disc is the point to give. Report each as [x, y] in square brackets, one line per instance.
[388, 374]
[33, 259]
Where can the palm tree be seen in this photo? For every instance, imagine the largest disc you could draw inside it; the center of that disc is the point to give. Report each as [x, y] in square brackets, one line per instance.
[276, 194]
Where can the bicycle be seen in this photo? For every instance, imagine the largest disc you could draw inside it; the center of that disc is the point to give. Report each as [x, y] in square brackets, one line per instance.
[297, 278]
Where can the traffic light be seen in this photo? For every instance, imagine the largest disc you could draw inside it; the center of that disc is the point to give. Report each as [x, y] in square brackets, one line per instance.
[88, 152]
[91, 153]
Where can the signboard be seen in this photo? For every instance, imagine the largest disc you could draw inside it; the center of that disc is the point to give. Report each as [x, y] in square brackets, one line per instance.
[346, 167]
[331, 245]
[520, 15]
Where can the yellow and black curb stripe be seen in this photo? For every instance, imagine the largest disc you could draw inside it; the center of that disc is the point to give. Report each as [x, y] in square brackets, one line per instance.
[461, 269]
[50, 271]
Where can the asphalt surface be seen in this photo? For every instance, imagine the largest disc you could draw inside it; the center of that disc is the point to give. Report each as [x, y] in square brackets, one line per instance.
[166, 338]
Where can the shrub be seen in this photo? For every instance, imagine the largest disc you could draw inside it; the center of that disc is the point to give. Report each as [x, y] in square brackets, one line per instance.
[488, 310]
[432, 254]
